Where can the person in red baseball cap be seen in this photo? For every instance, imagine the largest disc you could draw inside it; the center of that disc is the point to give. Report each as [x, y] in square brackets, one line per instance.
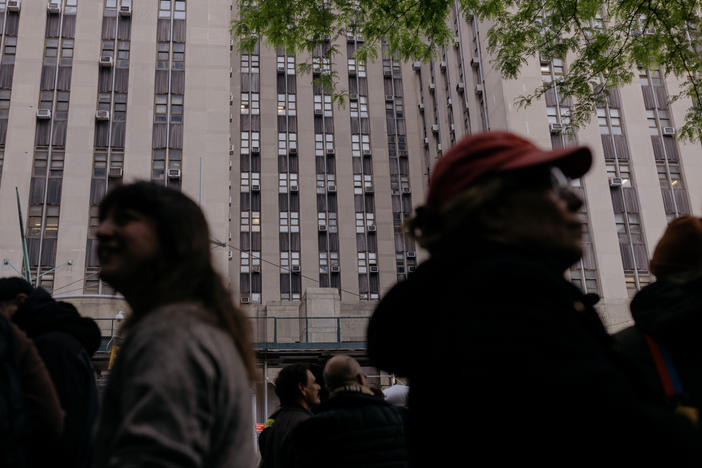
[491, 319]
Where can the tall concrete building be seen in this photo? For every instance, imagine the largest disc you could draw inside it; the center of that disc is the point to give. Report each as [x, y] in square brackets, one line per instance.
[306, 200]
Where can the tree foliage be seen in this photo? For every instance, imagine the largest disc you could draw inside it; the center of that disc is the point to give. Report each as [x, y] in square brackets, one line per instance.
[604, 42]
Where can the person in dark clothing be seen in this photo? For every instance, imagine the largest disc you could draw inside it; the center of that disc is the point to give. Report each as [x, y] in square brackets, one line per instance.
[668, 320]
[540, 382]
[354, 428]
[35, 423]
[298, 392]
[66, 342]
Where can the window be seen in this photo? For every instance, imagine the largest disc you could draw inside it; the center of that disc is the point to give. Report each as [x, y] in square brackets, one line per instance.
[161, 108]
[10, 50]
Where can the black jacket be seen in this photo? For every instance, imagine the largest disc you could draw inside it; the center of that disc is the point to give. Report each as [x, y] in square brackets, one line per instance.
[272, 440]
[672, 315]
[509, 364]
[351, 430]
[65, 341]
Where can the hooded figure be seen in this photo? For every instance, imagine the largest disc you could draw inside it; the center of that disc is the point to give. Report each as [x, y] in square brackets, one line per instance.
[66, 342]
[668, 317]
[491, 316]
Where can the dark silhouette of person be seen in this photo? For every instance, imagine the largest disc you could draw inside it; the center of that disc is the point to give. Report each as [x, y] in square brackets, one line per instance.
[665, 338]
[66, 343]
[535, 375]
[31, 417]
[353, 428]
[298, 392]
[178, 393]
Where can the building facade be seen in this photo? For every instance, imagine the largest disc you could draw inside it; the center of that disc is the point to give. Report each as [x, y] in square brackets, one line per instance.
[306, 200]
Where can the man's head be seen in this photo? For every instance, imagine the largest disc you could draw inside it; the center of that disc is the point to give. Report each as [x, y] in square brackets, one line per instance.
[501, 189]
[13, 292]
[343, 370]
[678, 255]
[296, 385]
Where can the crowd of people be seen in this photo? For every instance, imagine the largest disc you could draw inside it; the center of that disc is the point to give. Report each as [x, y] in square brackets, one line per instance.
[508, 363]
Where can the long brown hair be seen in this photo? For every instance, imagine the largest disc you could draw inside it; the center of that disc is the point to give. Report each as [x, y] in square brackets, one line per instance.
[184, 270]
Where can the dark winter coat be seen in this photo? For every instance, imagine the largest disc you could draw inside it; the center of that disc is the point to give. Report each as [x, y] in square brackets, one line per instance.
[350, 430]
[671, 314]
[273, 438]
[65, 341]
[510, 365]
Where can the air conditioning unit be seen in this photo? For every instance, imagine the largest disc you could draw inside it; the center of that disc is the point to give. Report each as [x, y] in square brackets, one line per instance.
[474, 62]
[353, 96]
[106, 61]
[368, 189]
[14, 5]
[230, 255]
[255, 268]
[352, 72]
[668, 131]
[426, 141]
[460, 87]
[411, 254]
[367, 153]
[373, 268]
[371, 228]
[442, 65]
[43, 114]
[292, 150]
[402, 153]
[54, 8]
[421, 107]
[449, 102]
[318, 112]
[102, 115]
[389, 97]
[293, 188]
[281, 68]
[439, 149]
[331, 188]
[615, 182]
[125, 10]
[411, 269]
[479, 89]
[295, 268]
[334, 268]
[432, 87]
[174, 173]
[406, 190]
[435, 128]
[387, 72]
[255, 149]
[417, 66]
[456, 42]
[322, 228]
[245, 299]
[255, 188]
[452, 128]
[555, 128]
[330, 151]
[115, 173]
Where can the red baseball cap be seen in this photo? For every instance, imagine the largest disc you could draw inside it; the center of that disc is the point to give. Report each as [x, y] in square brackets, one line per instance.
[489, 152]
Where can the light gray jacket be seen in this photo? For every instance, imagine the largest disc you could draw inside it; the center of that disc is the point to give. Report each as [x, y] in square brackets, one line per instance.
[178, 396]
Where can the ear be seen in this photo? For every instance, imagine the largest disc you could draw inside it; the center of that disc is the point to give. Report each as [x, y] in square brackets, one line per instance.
[361, 379]
[21, 297]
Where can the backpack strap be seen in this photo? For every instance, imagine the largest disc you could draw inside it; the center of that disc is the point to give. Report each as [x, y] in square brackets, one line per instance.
[666, 370]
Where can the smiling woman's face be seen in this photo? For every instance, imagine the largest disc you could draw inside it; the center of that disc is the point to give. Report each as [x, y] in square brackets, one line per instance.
[127, 247]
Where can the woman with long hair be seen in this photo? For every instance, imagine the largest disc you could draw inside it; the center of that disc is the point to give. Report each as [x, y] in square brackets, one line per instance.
[178, 394]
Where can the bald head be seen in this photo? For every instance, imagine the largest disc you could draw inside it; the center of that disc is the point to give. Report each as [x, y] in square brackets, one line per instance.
[343, 370]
